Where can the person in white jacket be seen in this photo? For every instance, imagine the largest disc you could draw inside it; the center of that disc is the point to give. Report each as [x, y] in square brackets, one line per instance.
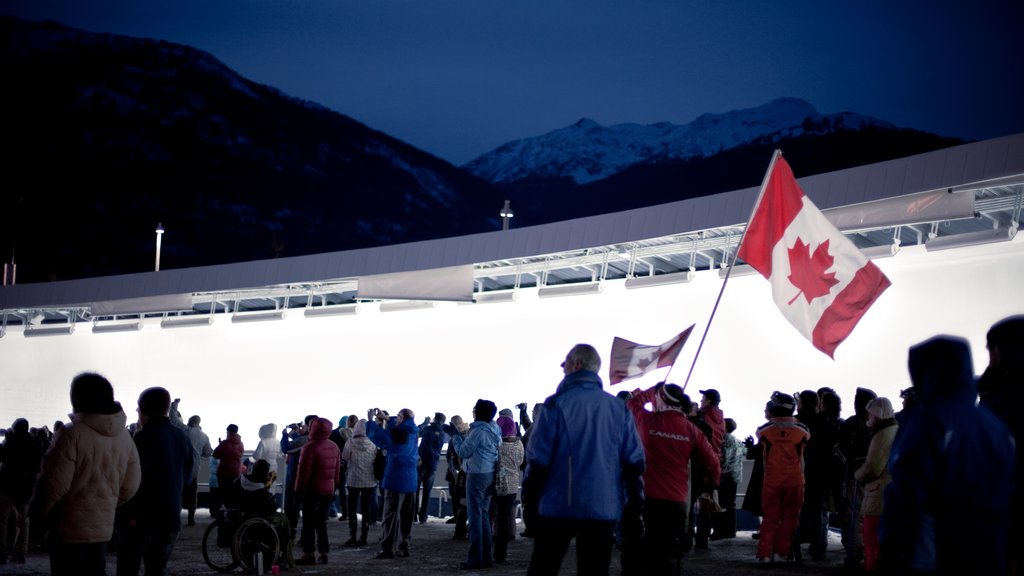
[91, 468]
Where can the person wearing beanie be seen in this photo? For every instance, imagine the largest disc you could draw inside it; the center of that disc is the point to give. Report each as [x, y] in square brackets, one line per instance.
[573, 496]
[478, 450]
[784, 439]
[506, 486]
[91, 468]
[952, 464]
[432, 439]
[149, 524]
[874, 475]
[670, 442]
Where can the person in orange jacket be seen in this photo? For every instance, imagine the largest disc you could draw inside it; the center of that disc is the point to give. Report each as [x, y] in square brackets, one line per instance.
[784, 439]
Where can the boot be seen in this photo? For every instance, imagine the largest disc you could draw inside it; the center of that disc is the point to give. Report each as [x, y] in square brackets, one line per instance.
[352, 538]
[362, 535]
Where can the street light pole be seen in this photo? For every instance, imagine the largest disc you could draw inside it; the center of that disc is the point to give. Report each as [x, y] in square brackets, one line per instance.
[506, 215]
[159, 236]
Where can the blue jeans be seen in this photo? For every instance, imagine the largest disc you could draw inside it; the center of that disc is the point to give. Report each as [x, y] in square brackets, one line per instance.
[479, 488]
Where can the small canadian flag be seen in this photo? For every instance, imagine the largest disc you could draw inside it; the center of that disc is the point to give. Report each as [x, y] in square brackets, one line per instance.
[820, 281]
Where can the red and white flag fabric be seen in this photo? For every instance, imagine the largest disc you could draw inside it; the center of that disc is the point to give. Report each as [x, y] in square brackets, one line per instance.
[820, 281]
[629, 359]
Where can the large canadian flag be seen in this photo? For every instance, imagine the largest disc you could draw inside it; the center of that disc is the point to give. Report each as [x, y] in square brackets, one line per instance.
[820, 281]
[629, 359]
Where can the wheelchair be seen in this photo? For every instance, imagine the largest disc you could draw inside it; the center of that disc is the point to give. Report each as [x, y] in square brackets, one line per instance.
[233, 541]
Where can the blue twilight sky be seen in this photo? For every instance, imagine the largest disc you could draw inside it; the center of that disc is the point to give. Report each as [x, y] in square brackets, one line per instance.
[458, 78]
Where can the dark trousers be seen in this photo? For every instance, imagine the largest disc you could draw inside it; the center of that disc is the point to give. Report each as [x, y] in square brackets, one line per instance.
[426, 484]
[78, 559]
[814, 520]
[399, 509]
[292, 507]
[189, 499]
[504, 507]
[725, 521]
[664, 531]
[314, 522]
[135, 550]
[360, 499]
[552, 536]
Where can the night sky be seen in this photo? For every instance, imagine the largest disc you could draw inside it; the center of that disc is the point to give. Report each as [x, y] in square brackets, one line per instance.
[458, 78]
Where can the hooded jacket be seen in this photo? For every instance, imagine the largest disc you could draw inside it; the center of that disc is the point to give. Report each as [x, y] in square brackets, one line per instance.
[359, 452]
[584, 450]
[91, 468]
[269, 448]
[319, 461]
[400, 444]
[946, 508]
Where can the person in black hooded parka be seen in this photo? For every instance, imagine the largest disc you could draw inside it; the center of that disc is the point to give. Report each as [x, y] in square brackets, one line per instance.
[946, 510]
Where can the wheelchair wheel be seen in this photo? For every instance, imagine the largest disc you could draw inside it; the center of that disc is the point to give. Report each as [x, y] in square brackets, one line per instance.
[256, 545]
[220, 558]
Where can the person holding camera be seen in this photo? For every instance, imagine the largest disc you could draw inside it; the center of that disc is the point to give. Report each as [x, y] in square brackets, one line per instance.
[399, 483]
[293, 439]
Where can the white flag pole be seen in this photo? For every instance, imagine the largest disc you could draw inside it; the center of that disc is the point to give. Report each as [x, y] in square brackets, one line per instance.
[728, 272]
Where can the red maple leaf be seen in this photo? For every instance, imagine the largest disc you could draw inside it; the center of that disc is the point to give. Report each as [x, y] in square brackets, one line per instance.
[808, 271]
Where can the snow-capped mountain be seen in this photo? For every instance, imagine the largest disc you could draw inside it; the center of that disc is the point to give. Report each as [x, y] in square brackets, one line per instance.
[587, 151]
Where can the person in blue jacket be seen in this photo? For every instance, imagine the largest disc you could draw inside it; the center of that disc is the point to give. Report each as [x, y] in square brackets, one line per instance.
[478, 450]
[398, 441]
[584, 454]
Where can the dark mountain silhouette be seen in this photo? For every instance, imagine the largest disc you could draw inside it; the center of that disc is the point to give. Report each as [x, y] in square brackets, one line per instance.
[105, 136]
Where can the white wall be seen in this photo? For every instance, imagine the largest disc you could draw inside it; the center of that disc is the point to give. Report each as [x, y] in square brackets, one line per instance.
[445, 358]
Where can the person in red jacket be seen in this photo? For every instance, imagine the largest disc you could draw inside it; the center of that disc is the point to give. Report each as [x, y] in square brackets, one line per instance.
[229, 456]
[670, 441]
[319, 475]
[784, 439]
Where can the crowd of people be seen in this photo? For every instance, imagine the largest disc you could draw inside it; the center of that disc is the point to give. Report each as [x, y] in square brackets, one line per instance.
[932, 488]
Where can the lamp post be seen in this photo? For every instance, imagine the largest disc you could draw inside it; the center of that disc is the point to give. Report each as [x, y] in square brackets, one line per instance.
[159, 236]
[506, 215]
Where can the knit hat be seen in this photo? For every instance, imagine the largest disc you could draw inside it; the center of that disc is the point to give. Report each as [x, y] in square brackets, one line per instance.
[881, 408]
[507, 425]
[484, 410]
[672, 394]
[506, 412]
[783, 401]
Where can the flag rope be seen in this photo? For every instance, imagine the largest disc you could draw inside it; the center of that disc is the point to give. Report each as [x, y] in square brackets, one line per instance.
[728, 271]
